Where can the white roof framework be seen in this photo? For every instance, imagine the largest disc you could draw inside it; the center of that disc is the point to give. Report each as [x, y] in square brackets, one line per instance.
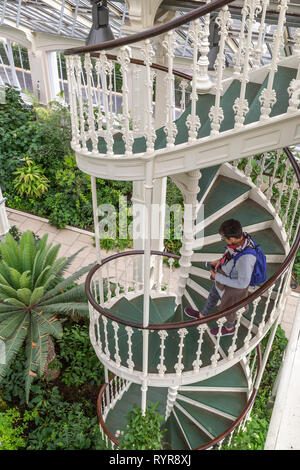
[72, 19]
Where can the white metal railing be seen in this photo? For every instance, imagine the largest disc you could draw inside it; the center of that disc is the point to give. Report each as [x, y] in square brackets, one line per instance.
[274, 176]
[107, 400]
[95, 125]
[115, 340]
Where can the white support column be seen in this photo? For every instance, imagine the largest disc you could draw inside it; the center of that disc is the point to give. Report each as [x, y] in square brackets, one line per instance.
[40, 76]
[97, 236]
[188, 183]
[53, 74]
[4, 224]
[147, 264]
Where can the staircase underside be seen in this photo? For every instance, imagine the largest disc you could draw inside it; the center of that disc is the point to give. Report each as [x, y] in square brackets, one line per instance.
[202, 412]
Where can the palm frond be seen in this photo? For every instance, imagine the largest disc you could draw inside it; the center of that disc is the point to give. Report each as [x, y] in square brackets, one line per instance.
[30, 365]
[62, 285]
[71, 295]
[15, 302]
[67, 263]
[25, 280]
[49, 324]
[37, 294]
[43, 276]
[52, 255]
[27, 248]
[24, 295]
[10, 252]
[3, 280]
[10, 324]
[7, 291]
[70, 308]
[4, 307]
[13, 344]
[5, 271]
[15, 277]
[41, 337]
[6, 315]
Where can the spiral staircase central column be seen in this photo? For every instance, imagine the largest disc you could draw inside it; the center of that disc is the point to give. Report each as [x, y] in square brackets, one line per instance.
[171, 399]
[188, 184]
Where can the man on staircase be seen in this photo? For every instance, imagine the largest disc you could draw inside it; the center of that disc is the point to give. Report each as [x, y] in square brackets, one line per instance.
[233, 274]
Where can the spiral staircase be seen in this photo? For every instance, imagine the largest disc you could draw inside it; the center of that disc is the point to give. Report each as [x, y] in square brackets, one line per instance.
[204, 384]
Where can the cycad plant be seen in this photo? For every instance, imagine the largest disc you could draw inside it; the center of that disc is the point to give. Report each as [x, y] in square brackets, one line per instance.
[33, 296]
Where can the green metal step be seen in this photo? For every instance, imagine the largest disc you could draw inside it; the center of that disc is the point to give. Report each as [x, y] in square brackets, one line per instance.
[127, 311]
[230, 403]
[154, 314]
[177, 441]
[166, 307]
[260, 311]
[227, 102]
[247, 212]
[267, 239]
[206, 283]
[282, 80]
[233, 377]
[198, 299]
[203, 105]
[224, 191]
[207, 176]
[213, 423]
[196, 437]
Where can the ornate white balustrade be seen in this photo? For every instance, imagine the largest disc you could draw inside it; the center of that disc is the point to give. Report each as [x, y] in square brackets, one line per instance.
[274, 175]
[113, 391]
[117, 341]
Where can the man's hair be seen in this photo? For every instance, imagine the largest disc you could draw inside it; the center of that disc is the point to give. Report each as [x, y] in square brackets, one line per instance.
[231, 228]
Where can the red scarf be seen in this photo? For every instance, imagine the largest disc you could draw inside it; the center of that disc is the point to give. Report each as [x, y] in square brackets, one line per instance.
[236, 249]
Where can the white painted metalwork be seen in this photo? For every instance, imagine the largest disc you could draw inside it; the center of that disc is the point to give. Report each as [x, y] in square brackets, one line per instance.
[216, 114]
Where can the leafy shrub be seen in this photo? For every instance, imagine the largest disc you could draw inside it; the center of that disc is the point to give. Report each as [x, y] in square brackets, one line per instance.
[143, 432]
[12, 428]
[61, 425]
[77, 358]
[30, 179]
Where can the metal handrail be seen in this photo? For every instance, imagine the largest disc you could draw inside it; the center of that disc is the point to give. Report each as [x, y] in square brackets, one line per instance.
[215, 316]
[152, 32]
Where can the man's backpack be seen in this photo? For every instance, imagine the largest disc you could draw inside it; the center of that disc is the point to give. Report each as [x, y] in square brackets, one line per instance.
[259, 274]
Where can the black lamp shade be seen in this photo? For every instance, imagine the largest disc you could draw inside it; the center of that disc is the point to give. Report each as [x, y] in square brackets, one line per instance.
[100, 31]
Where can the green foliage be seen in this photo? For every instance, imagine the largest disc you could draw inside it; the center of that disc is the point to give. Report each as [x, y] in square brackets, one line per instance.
[30, 179]
[77, 358]
[33, 294]
[60, 425]
[12, 428]
[56, 421]
[12, 386]
[143, 432]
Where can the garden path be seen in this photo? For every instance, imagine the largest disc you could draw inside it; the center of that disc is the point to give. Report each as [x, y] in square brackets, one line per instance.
[72, 239]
